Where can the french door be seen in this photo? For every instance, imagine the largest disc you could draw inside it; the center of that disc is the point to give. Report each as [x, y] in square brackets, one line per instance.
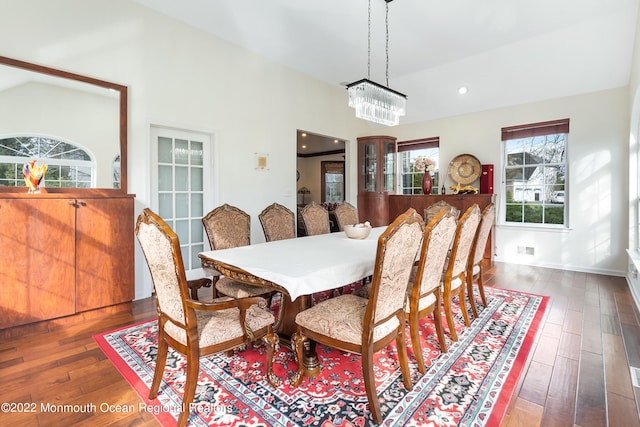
[181, 172]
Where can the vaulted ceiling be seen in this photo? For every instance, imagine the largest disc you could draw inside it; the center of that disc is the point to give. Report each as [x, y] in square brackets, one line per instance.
[506, 52]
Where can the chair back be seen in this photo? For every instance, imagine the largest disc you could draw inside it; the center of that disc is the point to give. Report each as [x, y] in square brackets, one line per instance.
[463, 242]
[315, 219]
[438, 237]
[397, 250]
[431, 211]
[488, 219]
[227, 227]
[278, 223]
[161, 249]
[346, 214]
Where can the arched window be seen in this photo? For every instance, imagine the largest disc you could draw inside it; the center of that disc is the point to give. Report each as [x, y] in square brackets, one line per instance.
[68, 166]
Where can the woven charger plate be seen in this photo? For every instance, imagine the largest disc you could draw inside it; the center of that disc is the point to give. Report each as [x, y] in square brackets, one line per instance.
[465, 169]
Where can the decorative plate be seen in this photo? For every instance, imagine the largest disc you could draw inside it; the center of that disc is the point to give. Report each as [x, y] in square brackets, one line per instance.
[465, 169]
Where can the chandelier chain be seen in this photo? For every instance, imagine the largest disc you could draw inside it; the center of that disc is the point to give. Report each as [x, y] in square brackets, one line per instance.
[369, 43]
[386, 21]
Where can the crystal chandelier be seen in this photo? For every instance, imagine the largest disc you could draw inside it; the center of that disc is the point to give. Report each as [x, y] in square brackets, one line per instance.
[372, 101]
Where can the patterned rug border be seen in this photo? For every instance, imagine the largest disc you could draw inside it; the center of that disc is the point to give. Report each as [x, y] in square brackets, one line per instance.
[162, 412]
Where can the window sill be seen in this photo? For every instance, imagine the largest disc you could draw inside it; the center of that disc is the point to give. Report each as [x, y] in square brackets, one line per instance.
[542, 227]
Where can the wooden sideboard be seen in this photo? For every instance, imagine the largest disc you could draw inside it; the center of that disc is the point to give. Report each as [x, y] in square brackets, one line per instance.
[63, 255]
[400, 203]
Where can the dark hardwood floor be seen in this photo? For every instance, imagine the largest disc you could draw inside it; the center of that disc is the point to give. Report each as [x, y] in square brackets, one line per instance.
[577, 374]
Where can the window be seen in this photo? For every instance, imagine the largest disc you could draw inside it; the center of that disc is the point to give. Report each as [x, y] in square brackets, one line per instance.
[413, 156]
[535, 171]
[68, 166]
[332, 181]
[116, 172]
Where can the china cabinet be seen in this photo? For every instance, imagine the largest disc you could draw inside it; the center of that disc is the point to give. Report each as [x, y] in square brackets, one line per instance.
[376, 178]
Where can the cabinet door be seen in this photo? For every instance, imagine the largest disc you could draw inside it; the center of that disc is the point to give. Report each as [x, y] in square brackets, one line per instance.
[104, 252]
[37, 263]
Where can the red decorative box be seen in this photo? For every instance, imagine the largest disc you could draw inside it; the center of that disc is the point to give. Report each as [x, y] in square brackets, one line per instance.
[486, 180]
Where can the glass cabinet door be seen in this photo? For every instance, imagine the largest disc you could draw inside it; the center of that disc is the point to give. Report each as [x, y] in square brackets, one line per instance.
[389, 149]
[368, 167]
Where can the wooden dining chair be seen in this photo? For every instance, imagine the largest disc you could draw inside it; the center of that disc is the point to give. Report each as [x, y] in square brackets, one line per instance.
[194, 328]
[278, 223]
[424, 291]
[229, 227]
[346, 214]
[454, 276]
[315, 219]
[432, 210]
[365, 326]
[474, 265]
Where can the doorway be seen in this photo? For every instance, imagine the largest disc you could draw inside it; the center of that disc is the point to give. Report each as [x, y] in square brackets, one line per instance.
[316, 152]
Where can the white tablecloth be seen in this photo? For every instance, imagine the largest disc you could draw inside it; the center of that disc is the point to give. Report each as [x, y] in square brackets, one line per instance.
[306, 265]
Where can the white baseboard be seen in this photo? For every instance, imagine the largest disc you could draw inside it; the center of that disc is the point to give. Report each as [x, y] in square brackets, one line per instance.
[603, 271]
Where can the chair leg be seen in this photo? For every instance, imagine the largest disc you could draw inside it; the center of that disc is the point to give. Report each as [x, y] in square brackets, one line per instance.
[449, 316]
[297, 343]
[463, 305]
[471, 297]
[437, 320]
[414, 326]
[370, 384]
[271, 341]
[402, 356]
[481, 288]
[161, 361]
[193, 369]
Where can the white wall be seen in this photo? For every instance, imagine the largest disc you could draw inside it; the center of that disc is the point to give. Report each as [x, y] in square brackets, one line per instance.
[597, 192]
[178, 76]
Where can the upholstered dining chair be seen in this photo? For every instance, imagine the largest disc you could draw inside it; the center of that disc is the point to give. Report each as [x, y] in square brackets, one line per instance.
[474, 265]
[365, 326]
[346, 214]
[315, 219]
[424, 291]
[432, 210]
[278, 223]
[229, 227]
[195, 328]
[454, 276]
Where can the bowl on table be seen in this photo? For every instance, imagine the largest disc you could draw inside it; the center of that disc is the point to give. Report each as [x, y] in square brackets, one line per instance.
[357, 231]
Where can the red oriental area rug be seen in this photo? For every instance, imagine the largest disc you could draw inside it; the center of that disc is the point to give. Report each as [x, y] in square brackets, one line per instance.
[470, 385]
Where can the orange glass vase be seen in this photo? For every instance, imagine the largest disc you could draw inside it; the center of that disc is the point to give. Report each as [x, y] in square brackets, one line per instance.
[427, 183]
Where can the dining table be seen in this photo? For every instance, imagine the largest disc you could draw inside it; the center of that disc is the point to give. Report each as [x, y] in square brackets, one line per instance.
[297, 268]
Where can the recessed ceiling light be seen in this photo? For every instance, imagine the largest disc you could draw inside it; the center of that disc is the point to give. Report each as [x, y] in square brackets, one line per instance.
[304, 134]
[304, 146]
[463, 90]
[335, 141]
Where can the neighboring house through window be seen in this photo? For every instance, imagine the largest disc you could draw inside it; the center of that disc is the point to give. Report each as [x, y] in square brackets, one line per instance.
[413, 157]
[535, 171]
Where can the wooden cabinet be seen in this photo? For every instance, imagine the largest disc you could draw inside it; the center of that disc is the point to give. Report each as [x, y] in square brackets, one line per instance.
[400, 203]
[62, 256]
[376, 178]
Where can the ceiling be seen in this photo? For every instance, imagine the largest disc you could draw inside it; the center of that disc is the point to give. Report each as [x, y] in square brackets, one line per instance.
[506, 52]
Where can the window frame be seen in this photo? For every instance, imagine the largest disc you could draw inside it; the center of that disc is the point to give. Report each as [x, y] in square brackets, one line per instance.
[415, 145]
[530, 131]
[20, 159]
